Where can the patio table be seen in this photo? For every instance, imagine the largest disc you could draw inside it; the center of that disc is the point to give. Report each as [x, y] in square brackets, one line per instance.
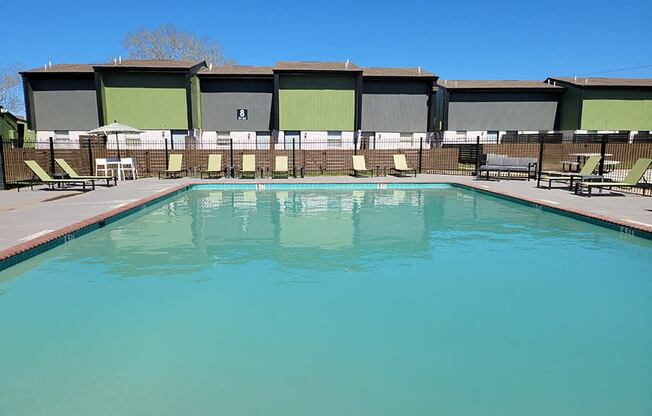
[115, 163]
[581, 158]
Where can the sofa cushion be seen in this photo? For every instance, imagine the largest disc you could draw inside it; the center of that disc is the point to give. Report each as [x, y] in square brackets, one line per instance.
[510, 161]
[526, 161]
[495, 160]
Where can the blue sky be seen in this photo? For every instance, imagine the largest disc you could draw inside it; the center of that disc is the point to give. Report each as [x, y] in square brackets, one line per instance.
[455, 39]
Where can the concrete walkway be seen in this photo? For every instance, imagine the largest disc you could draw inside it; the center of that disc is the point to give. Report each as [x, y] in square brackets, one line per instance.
[633, 209]
[28, 215]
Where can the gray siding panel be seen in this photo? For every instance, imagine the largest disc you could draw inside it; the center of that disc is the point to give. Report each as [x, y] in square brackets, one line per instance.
[220, 100]
[502, 111]
[395, 106]
[64, 104]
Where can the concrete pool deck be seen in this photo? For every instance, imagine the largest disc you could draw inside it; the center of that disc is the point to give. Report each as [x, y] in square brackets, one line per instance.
[32, 217]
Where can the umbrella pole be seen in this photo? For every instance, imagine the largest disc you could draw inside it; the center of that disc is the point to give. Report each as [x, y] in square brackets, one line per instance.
[117, 144]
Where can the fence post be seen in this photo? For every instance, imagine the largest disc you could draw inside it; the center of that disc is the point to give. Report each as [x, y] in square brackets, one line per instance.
[232, 173]
[420, 152]
[355, 143]
[294, 157]
[603, 148]
[90, 157]
[3, 177]
[166, 155]
[51, 156]
[172, 142]
[540, 163]
[477, 157]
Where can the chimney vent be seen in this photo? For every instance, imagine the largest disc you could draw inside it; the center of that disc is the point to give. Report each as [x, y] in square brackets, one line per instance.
[419, 70]
[210, 66]
[120, 59]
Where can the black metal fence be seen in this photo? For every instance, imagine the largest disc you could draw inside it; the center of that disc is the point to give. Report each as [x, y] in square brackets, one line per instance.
[428, 154]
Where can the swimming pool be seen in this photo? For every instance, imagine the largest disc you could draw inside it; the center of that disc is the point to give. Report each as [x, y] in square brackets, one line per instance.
[331, 301]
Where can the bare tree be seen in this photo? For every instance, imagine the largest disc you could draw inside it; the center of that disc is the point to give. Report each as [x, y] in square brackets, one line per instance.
[11, 91]
[169, 42]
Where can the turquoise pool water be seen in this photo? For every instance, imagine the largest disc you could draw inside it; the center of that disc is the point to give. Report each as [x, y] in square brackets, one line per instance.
[331, 302]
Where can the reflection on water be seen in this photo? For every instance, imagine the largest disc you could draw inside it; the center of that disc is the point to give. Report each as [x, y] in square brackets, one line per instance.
[316, 230]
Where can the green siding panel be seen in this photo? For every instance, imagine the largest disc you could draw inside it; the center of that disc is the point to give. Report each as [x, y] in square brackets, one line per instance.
[8, 128]
[317, 103]
[145, 100]
[617, 110]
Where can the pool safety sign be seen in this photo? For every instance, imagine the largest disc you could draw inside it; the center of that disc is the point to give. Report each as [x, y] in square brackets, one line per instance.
[242, 113]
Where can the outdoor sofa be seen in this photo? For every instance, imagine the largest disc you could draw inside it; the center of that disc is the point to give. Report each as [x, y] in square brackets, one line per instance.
[500, 164]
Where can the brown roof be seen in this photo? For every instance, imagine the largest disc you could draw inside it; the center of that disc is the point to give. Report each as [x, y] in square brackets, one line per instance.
[62, 69]
[396, 72]
[237, 70]
[605, 82]
[316, 66]
[495, 84]
[150, 64]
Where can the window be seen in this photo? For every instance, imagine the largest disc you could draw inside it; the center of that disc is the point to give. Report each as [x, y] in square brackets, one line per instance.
[61, 135]
[262, 139]
[406, 137]
[334, 139]
[460, 135]
[178, 140]
[291, 137]
[223, 138]
[132, 139]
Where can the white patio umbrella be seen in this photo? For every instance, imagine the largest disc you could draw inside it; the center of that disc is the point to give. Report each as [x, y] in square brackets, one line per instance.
[115, 128]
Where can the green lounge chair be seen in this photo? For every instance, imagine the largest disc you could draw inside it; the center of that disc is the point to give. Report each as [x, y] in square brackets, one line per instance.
[360, 167]
[248, 166]
[632, 179]
[73, 175]
[280, 167]
[586, 173]
[400, 166]
[43, 176]
[174, 167]
[214, 168]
